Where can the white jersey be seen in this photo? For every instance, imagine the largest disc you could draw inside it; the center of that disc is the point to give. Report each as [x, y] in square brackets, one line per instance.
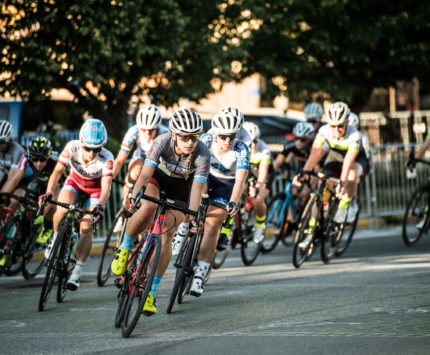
[224, 166]
[135, 135]
[352, 139]
[86, 175]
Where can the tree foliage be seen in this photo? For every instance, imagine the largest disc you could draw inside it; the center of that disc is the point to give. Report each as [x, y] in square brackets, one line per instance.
[104, 52]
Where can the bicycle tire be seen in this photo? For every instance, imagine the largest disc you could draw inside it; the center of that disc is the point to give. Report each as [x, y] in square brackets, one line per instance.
[331, 234]
[181, 272]
[64, 266]
[9, 268]
[33, 260]
[50, 275]
[221, 256]
[274, 223]
[249, 249]
[123, 293]
[343, 243]
[300, 255]
[144, 279]
[414, 214]
[109, 250]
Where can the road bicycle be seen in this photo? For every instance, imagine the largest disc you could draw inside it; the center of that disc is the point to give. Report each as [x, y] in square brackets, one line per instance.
[326, 232]
[186, 261]
[416, 218]
[136, 281]
[62, 261]
[18, 236]
[112, 242]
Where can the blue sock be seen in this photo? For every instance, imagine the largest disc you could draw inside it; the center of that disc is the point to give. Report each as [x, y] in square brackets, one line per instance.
[127, 242]
[155, 284]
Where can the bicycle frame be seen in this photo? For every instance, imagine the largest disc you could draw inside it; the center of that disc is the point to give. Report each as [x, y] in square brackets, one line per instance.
[287, 202]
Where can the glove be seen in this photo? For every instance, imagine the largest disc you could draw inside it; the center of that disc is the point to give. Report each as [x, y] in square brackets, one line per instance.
[129, 206]
[45, 197]
[98, 213]
[232, 209]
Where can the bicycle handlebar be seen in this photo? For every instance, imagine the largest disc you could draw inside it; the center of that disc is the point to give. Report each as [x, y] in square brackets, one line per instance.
[21, 199]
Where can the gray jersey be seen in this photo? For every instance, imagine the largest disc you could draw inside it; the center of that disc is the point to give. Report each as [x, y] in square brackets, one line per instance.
[14, 158]
[162, 155]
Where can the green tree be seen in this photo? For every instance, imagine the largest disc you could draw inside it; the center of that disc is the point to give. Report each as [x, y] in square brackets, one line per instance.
[104, 52]
[344, 48]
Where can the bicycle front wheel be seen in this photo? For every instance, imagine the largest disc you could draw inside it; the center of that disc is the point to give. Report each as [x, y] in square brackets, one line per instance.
[142, 283]
[123, 293]
[276, 213]
[345, 239]
[332, 233]
[11, 241]
[65, 264]
[416, 218]
[110, 247]
[249, 249]
[220, 256]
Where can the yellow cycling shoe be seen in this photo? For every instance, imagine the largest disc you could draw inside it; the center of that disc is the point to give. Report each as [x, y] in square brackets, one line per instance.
[3, 262]
[44, 235]
[150, 306]
[120, 262]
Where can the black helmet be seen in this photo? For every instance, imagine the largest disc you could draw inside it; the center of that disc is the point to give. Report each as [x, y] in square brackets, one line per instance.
[39, 148]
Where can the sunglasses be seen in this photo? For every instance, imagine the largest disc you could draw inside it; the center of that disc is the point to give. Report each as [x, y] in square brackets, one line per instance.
[41, 160]
[95, 150]
[225, 136]
[188, 137]
[300, 139]
[150, 131]
[3, 142]
[342, 126]
[312, 121]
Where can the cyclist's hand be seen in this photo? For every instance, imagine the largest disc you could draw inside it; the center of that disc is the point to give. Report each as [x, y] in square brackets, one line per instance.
[232, 209]
[193, 226]
[340, 190]
[296, 181]
[43, 198]
[98, 213]
[130, 206]
[410, 164]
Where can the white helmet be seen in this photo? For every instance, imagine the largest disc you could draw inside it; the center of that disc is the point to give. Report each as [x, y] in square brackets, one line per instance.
[313, 111]
[353, 120]
[5, 130]
[303, 130]
[338, 114]
[148, 117]
[252, 129]
[185, 121]
[235, 112]
[225, 122]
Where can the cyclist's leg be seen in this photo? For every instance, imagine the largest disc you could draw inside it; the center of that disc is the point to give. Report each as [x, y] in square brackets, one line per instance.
[260, 211]
[134, 168]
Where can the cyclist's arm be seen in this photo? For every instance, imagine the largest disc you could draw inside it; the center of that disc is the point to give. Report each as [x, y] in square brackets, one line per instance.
[119, 162]
[348, 161]
[144, 177]
[13, 180]
[280, 158]
[423, 148]
[239, 185]
[317, 153]
[196, 195]
[55, 177]
[105, 193]
[263, 170]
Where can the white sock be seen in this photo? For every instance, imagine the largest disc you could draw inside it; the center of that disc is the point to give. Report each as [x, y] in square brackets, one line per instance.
[78, 268]
[202, 269]
[54, 236]
[183, 228]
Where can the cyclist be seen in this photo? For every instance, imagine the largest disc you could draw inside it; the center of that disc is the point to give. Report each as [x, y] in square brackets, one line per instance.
[143, 133]
[43, 161]
[313, 112]
[90, 180]
[346, 159]
[178, 164]
[261, 168]
[229, 169]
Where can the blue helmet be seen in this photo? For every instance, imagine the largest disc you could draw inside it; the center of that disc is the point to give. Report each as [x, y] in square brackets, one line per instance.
[93, 133]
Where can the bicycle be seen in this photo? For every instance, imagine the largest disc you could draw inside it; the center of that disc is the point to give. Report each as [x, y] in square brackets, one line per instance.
[325, 232]
[112, 242]
[186, 261]
[136, 281]
[62, 261]
[416, 217]
[18, 239]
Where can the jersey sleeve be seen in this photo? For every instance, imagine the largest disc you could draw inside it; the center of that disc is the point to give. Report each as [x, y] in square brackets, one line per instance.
[266, 156]
[202, 164]
[108, 166]
[66, 155]
[129, 139]
[321, 136]
[355, 142]
[242, 156]
[156, 149]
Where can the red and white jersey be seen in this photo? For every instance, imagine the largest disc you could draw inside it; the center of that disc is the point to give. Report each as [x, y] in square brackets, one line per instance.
[86, 175]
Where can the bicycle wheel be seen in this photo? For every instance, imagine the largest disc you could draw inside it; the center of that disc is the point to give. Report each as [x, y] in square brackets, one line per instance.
[13, 262]
[65, 264]
[51, 273]
[110, 247]
[299, 254]
[32, 262]
[249, 249]
[220, 256]
[142, 283]
[181, 272]
[416, 218]
[274, 223]
[123, 293]
[332, 233]
[346, 237]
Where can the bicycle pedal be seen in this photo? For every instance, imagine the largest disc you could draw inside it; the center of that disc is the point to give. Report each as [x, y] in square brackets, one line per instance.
[117, 282]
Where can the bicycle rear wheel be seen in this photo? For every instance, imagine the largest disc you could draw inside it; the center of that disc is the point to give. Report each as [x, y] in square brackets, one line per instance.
[182, 270]
[110, 247]
[249, 249]
[299, 254]
[332, 233]
[274, 223]
[11, 242]
[142, 283]
[220, 256]
[416, 218]
[32, 262]
[345, 239]
[65, 263]
[51, 273]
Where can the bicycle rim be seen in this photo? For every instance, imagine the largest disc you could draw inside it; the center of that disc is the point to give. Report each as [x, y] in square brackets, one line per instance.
[13, 263]
[220, 256]
[142, 284]
[333, 232]
[416, 213]
[274, 223]
[249, 249]
[64, 263]
[123, 293]
[110, 247]
[348, 232]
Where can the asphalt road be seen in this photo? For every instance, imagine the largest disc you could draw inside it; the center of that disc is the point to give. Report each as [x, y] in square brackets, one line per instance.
[374, 299]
